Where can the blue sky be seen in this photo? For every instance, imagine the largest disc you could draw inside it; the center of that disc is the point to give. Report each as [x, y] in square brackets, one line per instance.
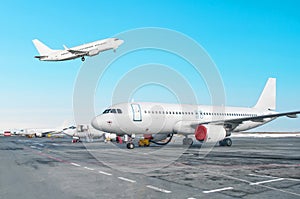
[249, 41]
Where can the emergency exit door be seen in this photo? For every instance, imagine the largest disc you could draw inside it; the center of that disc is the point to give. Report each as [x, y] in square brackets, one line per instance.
[136, 112]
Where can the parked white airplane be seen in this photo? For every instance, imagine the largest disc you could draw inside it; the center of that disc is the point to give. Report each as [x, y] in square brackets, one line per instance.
[158, 121]
[82, 131]
[32, 132]
[89, 49]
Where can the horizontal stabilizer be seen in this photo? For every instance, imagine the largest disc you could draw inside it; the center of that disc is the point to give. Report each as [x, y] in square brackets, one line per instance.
[292, 115]
[40, 57]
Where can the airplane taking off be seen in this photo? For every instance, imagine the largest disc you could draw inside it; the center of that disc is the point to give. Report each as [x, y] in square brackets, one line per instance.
[211, 124]
[89, 49]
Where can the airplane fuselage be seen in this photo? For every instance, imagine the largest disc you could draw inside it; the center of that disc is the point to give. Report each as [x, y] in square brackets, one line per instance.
[152, 118]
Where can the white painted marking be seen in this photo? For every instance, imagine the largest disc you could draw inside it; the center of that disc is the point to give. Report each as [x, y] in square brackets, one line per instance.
[218, 190]
[191, 198]
[158, 189]
[266, 181]
[102, 172]
[291, 179]
[33, 147]
[126, 179]
[89, 168]
[77, 165]
[265, 176]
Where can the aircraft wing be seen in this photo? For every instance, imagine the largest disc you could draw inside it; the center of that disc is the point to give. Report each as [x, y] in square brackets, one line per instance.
[233, 123]
[78, 52]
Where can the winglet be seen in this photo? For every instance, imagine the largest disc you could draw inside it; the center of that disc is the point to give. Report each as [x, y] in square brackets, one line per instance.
[65, 47]
[267, 99]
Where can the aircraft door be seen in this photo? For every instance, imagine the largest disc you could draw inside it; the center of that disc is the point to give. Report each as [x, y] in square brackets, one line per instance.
[136, 112]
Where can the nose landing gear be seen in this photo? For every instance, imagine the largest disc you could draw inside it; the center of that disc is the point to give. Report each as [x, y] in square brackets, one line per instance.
[187, 141]
[130, 145]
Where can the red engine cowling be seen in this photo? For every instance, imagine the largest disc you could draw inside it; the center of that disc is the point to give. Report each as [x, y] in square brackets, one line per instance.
[210, 133]
[201, 133]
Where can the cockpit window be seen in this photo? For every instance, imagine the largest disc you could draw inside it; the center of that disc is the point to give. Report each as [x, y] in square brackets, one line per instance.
[119, 111]
[116, 39]
[106, 111]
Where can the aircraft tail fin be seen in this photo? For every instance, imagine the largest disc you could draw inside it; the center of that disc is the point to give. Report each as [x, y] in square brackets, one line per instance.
[42, 48]
[267, 99]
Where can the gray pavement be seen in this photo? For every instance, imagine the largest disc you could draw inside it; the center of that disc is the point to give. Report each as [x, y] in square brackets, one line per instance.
[57, 168]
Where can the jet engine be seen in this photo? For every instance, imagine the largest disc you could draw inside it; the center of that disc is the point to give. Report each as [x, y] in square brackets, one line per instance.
[93, 52]
[210, 133]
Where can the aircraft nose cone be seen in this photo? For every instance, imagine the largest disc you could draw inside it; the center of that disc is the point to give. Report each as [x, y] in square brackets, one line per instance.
[96, 123]
[120, 42]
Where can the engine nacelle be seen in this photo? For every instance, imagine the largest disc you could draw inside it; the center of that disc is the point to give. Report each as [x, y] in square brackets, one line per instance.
[93, 53]
[210, 133]
[38, 134]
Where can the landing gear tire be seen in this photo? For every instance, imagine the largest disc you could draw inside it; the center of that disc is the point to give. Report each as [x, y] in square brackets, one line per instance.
[187, 141]
[130, 145]
[226, 142]
[82, 59]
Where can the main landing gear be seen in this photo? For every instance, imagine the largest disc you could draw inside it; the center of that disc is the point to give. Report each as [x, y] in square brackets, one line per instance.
[82, 58]
[187, 141]
[225, 142]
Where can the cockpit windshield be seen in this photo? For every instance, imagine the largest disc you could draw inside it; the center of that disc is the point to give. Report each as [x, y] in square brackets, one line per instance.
[106, 111]
[113, 110]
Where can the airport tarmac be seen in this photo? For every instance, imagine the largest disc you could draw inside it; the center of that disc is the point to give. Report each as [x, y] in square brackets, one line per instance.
[265, 167]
